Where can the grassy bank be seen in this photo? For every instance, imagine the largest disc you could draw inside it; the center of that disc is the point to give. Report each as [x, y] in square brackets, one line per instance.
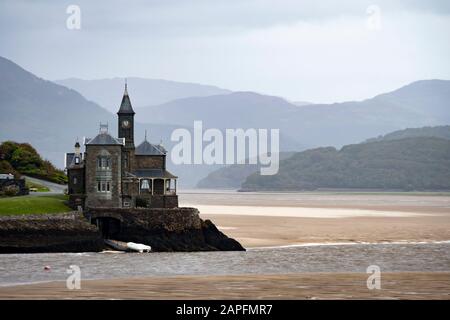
[36, 186]
[33, 205]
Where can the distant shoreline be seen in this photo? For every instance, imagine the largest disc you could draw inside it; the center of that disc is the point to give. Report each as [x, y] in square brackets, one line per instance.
[319, 192]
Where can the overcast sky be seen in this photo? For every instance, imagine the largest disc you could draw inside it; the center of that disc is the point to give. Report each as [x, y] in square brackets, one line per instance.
[319, 51]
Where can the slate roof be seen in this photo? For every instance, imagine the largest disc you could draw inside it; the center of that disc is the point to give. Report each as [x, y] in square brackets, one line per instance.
[69, 158]
[148, 149]
[125, 105]
[153, 173]
[70, 161]
[104, 138]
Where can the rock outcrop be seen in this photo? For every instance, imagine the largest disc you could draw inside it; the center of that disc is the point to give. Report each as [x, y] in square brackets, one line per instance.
[177, 229]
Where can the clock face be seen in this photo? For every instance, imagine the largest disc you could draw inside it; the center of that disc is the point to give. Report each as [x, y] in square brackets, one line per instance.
[125, 124]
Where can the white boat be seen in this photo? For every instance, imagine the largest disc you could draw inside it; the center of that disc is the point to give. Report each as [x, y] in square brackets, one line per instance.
[127, 246]
[138, 247]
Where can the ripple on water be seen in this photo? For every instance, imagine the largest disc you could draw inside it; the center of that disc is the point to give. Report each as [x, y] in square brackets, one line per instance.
[29, 268]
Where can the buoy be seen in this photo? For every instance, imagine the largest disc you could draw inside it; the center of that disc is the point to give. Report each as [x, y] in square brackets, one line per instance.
[47, 268]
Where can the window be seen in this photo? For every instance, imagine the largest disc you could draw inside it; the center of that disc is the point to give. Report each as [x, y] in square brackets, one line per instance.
[74, 180]
[104, 186]
[104, 162]
[77, 160]
[144, 184]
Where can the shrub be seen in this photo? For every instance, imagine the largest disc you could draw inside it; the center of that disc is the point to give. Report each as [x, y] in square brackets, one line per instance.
[11, 191]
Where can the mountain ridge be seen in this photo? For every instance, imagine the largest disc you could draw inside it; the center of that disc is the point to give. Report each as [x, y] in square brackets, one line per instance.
[314, 125]
[409, 164]
[144, 91]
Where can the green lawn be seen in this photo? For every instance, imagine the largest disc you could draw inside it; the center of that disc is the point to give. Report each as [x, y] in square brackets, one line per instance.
[33, 205]
[38, 187]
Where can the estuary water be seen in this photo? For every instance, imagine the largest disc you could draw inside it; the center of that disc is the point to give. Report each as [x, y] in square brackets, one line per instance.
[397, 257]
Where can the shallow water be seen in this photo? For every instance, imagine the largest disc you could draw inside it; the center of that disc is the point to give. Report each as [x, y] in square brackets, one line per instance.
[29, 268]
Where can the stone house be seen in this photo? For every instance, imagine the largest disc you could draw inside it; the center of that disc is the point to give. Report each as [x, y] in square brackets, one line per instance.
[113, 173]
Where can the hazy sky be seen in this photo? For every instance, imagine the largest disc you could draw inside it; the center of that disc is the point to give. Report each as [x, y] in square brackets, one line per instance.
[320, 51]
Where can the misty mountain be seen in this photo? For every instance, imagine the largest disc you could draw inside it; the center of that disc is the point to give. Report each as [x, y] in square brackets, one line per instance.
[422, 103]
[45, 114]
[51, 117]
[421, 163]
[236, 110]
[106, 92]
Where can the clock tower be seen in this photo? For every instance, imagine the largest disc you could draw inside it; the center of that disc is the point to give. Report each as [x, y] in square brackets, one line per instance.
[126, 120]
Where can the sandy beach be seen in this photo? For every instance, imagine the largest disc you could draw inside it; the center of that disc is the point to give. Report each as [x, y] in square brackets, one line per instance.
[263, 231]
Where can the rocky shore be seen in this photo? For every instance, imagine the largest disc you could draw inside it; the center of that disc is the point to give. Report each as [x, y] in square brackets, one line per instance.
[178, 229]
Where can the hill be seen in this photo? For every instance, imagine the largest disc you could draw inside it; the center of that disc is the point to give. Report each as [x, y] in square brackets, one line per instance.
[421, 163]
[437, 132]
[232, 177]
[22, 158]
[145, 92]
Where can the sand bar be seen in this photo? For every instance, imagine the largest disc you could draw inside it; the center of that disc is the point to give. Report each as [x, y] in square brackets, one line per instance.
[268, 231]
[298, 212]
[291, 286]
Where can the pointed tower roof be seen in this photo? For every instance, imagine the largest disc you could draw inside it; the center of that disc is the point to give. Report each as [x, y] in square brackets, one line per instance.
[125, 106]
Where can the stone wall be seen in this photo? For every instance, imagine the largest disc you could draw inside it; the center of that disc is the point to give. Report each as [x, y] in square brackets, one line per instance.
[163, 201]
[68, 232]
[76, 180]
[149, 162]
